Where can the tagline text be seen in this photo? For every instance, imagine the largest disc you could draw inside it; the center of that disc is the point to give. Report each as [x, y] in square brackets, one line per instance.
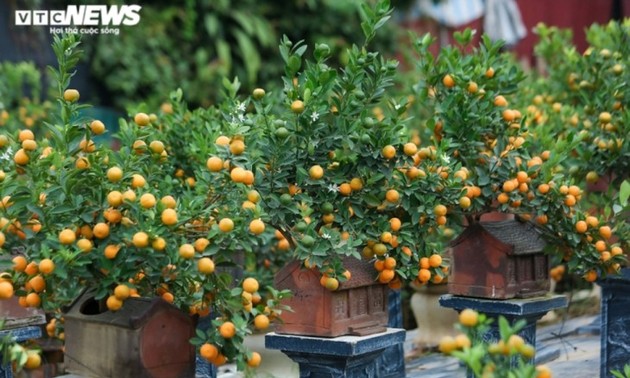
[88, 31]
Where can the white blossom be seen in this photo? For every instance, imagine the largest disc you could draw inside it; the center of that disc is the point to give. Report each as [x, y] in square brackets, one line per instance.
[333, 188]
[325, 236]
[7, 155]
[314, 116]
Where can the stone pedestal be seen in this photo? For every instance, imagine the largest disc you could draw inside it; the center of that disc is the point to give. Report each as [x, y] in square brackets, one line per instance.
[530, 309]
[203, 368]
[21, 322]
[391, 363]
[274, 362]
[344, 356]
[615, 323]
[19, 335]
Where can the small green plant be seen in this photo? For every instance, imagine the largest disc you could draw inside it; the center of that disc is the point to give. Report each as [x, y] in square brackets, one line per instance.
[583, 96]
[15, 354]
[21, 103]
[620, 374]
[510, 356]
[18, 81]
[577, 110]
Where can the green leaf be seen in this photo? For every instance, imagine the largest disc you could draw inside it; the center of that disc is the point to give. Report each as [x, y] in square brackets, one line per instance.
[624, 193]
[245, 21]
[294, 64]
[200, 334]
[196, 341]
[367, 29]
[381, 22]
[212, 24]
[299, 51]
[62, 209]
[250, 55]
[504, 328]
[225, 56]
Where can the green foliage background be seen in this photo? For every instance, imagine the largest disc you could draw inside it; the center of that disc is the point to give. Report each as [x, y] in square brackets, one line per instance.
[194, 44]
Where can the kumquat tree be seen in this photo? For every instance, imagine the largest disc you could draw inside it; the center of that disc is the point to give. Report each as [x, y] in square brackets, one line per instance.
[338, 174]
[474, 124]
[79, 215]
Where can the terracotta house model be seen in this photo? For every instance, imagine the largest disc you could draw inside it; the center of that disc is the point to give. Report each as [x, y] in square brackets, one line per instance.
[358, 307]
[499, 260]
[145, 338]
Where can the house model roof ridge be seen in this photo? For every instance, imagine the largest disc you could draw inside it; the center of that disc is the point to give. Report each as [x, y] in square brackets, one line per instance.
[360, 276]
[523, 236]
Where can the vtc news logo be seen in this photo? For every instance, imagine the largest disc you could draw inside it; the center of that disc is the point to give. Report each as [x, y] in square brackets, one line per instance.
[81, 15]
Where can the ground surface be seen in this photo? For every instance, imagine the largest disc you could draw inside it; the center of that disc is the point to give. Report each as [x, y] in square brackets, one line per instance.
[578, 350]
[574, 346]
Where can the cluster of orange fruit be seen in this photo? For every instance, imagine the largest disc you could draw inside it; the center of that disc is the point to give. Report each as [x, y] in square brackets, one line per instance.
[34, 284]
[236, 146]
[118, 211]
[416, 164]
[227, 330]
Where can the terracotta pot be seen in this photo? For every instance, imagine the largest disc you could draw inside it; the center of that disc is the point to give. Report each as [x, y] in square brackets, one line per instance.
[357, 307]
[496, 216]
[146, 338]
[16, 316]
[499, 260]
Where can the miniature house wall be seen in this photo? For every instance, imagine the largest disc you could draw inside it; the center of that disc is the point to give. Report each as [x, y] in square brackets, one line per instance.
[358, 307]
[499, 260]
[146, 338]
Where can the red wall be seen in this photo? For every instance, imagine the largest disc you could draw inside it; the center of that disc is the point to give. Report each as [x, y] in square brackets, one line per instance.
[574, 14]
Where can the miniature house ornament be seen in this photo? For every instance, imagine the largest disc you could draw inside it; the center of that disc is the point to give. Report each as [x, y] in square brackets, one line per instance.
[358, 307]
[147, 338]
[499, 260]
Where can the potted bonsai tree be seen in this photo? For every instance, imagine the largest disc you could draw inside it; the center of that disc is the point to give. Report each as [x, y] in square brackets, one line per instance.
[577, 99]
[473, 123]
[339, 175]
[80, 216]
[587, 89]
